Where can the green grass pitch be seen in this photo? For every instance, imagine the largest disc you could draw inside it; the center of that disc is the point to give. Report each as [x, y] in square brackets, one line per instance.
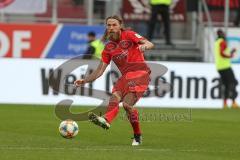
[29, 132]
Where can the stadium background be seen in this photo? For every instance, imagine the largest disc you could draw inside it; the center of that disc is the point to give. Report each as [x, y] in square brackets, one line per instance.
[38, 36]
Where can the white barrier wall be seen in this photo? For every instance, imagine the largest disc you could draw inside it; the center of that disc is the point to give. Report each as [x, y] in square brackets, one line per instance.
[195, 85]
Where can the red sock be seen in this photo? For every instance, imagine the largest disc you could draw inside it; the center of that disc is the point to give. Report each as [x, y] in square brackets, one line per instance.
[134, 120]
[112, 111]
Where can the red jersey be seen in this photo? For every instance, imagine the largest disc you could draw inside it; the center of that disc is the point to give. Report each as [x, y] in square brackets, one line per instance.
[125, 53]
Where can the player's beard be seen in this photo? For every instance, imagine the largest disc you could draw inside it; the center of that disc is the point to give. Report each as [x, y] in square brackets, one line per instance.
[114, 36]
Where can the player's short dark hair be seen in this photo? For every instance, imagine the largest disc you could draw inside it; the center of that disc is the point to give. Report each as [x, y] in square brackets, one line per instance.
[220, 33]
[92, 34]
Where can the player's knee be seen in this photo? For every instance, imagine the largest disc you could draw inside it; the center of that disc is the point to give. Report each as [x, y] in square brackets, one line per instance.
[113, 102]
[233, 94]
[115, 97]
[232, 91]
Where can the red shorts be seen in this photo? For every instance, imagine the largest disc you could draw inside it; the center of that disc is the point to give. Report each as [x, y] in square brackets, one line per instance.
[133, 82]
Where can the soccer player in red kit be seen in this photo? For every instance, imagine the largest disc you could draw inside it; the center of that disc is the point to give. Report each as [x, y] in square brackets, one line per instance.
[125, 48]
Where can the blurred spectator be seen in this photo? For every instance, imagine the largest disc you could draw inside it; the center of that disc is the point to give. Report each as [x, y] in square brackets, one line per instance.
[237, 20]
[95, 47]
[160, 7]
[223, 64]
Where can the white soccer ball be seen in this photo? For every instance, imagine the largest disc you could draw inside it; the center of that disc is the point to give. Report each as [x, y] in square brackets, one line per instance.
[68, 128]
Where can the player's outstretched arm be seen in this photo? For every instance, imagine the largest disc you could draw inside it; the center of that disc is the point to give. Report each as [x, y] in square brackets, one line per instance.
[145, 45]
[93, 76]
